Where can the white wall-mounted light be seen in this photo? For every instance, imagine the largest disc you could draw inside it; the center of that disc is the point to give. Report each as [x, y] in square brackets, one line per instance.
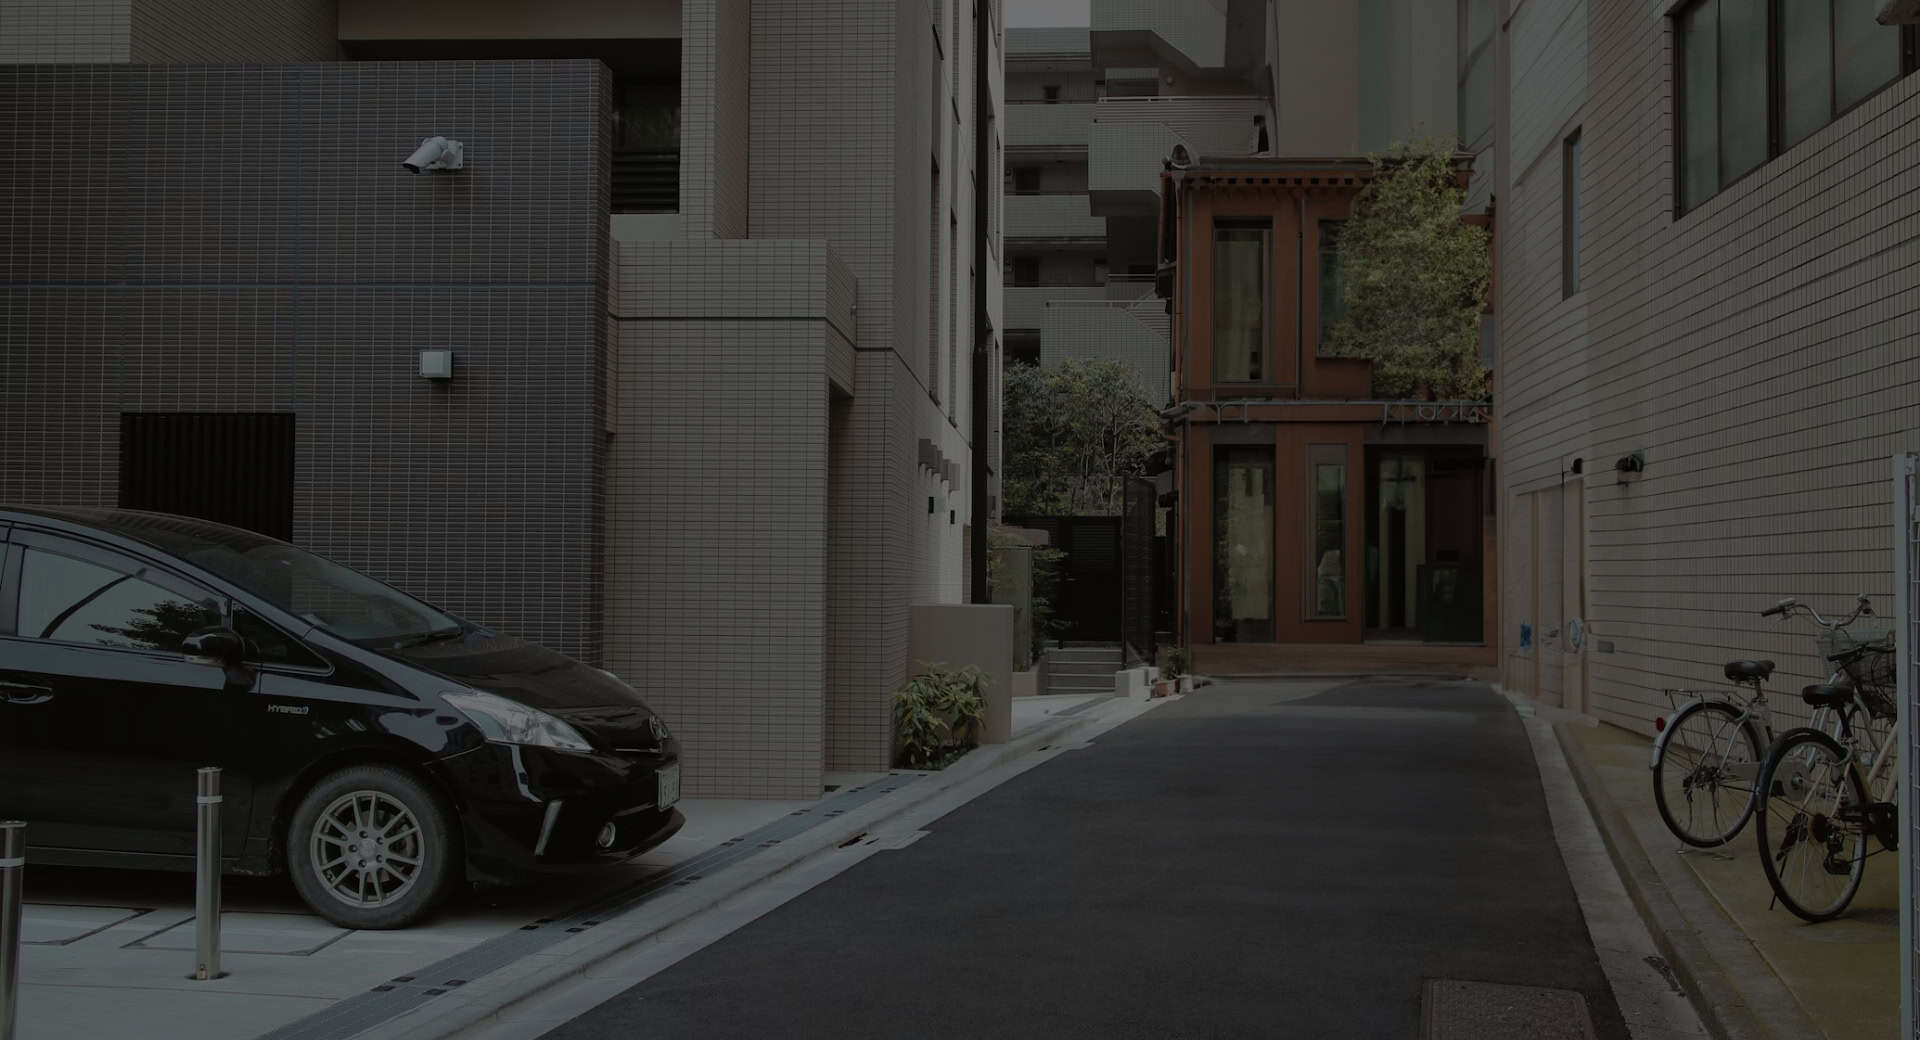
[436, 155]
[436, 364]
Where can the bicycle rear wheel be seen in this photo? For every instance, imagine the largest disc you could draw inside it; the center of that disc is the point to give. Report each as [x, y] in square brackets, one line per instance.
[1703, 779]
[1811, 824]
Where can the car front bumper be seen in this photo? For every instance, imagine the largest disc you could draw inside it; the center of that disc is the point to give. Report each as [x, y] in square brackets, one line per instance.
[530, 810]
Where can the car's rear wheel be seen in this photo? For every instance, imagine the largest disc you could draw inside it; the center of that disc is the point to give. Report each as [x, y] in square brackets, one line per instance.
[371, 847]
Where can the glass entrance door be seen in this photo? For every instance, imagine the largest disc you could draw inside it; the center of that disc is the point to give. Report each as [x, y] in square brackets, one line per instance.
[1243, 544]
[1399, 546]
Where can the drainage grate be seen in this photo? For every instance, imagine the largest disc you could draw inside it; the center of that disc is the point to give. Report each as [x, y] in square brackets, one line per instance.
[389, 1000]
[1456, 1009]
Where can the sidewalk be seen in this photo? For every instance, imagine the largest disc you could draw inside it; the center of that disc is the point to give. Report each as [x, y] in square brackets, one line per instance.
[1752, 971]
[107, 953]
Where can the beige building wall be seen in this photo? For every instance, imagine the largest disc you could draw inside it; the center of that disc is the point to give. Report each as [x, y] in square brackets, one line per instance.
[778, 366]
[1761, 350]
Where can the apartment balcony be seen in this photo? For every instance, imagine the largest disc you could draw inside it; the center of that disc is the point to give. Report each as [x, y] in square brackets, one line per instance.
[1026, 305]
[1053, 218]
[1130, 139]
[1190, 35]
[1132, 332]
[1041, 126]
[1065, 43]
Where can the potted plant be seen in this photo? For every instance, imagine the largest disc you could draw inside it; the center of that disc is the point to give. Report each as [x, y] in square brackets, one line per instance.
[937, 715]
[1177, 660]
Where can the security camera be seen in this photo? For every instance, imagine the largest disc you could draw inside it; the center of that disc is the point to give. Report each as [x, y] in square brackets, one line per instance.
[435, 154]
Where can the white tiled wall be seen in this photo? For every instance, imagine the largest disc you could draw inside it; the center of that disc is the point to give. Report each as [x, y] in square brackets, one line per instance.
[1763, 350]
[66, 31]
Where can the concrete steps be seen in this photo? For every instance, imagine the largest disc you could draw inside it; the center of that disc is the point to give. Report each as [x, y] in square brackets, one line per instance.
[1081, 668]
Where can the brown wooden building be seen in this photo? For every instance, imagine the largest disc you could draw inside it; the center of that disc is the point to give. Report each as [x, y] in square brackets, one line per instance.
[1308, 512]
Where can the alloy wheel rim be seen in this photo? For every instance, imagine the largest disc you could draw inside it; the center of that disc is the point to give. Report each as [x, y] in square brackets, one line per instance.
[366, 849]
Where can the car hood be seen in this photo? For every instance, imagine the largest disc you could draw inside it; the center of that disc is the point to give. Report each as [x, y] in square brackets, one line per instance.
[585, 697]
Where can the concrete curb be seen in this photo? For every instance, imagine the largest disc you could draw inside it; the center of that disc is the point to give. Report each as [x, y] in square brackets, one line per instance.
[481, 1000]
[1736, 993]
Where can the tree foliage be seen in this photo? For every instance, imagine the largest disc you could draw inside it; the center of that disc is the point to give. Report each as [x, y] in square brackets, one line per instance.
[1416, 278]
[1073, 433]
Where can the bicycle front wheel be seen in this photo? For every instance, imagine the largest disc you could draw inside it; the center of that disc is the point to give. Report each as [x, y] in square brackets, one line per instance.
[1811, 824]
[1703, 779]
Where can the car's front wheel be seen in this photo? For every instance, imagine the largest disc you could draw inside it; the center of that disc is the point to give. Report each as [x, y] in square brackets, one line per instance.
[371, 847]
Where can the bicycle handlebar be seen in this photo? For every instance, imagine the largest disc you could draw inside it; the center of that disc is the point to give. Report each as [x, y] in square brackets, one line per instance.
[1862, 608]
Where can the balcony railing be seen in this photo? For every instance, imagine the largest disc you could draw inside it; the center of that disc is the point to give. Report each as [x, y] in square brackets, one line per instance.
[1053, 217]
[1039, 124]
[646, 181]
[1026, 305]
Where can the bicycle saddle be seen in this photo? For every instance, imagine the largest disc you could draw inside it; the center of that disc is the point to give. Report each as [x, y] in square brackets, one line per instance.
[1749, 671]
[1821, 695]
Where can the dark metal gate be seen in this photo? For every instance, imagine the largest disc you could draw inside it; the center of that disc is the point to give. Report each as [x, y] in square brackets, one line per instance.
[1087, 602]
[1137, 571]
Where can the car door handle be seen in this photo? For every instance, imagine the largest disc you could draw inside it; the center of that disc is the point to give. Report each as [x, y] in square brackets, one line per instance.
[25, 693]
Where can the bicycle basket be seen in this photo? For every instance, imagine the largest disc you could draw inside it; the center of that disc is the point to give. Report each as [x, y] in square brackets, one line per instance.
[1872, 672]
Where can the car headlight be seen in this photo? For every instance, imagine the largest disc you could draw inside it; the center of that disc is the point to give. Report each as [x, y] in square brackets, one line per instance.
[510, 722]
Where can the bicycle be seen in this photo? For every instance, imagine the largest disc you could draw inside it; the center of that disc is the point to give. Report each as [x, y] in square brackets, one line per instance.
[1706, 761]
[1819, 808]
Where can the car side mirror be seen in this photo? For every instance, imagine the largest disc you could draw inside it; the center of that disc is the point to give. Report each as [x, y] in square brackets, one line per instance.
[221, 645]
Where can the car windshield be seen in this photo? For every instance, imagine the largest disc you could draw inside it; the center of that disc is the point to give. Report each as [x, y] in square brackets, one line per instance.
[342, 601]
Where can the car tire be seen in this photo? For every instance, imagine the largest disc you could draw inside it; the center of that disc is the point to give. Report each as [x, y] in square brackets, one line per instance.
[371, 847]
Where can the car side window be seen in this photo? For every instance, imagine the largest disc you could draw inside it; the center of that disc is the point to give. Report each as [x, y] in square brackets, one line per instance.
[79, 601]
[268, 645]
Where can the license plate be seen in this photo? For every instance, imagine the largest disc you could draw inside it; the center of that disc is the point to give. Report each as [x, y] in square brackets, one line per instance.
[669, 786]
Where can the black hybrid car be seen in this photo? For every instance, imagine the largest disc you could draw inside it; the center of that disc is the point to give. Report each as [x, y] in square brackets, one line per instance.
[379, 750]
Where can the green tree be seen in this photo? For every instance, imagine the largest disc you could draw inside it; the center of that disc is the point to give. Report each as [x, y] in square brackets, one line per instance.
[1416, 278]
[1073, 434]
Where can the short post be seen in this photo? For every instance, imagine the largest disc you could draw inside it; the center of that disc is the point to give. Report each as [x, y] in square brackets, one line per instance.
[206, 866]
[13, 867]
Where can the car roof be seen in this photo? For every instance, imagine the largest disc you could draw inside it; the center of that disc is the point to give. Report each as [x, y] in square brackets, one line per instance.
[135, 525]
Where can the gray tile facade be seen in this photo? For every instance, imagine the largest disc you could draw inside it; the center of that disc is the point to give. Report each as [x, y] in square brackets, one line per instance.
[243, 238]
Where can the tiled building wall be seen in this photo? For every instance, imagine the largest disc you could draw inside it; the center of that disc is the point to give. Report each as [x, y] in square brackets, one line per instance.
[715, 117]
[66, 31]
[257, 31]
[718, 505]
[1762, 349]
[243, 238]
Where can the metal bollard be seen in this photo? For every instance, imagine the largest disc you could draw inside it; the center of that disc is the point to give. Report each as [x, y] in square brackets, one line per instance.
[13, 868]
[206, 868]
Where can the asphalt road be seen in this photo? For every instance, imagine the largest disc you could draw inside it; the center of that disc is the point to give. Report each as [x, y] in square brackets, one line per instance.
[1245, 862]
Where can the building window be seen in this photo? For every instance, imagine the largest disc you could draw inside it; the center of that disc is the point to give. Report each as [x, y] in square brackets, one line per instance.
[934, 284]
[1570, 215]
[1241, 253]
[646, 146]
[1026, 270]
[1757, 77]
[1243, 544]
[1327, 498]
[1332, 278]
[1026, 180]
[1050, 93]
[1474, 71]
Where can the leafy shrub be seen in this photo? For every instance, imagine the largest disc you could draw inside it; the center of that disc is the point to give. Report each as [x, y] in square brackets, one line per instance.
[938, 711]
[1173, 662]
